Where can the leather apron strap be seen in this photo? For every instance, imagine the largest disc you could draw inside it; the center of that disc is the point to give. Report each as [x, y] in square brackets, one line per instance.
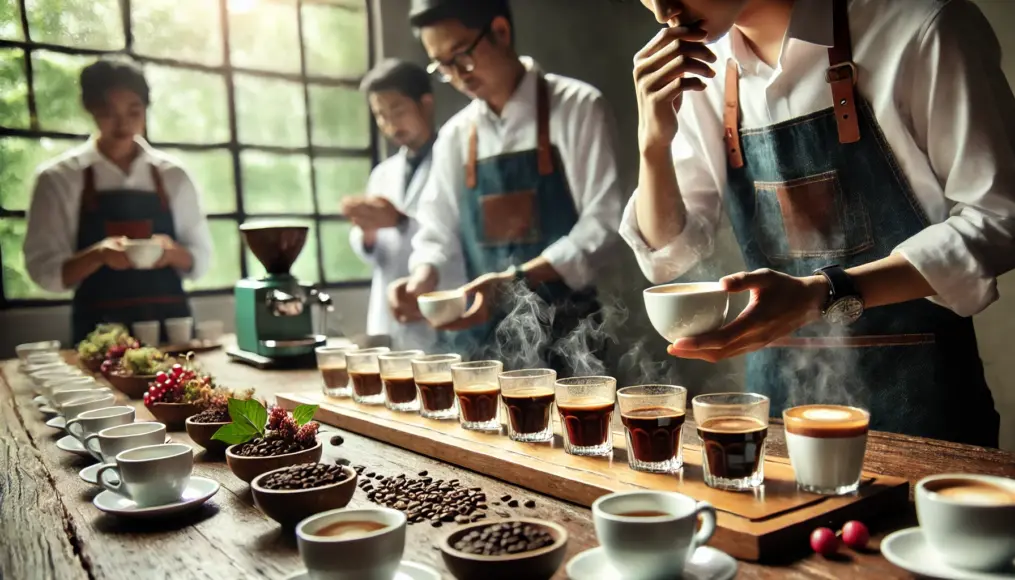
[88, 192]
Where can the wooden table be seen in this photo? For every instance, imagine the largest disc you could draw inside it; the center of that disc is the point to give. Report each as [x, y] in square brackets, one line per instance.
[50, 529]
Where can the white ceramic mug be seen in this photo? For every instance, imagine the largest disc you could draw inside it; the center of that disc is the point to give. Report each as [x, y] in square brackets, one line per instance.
[66, 384]
[971, 528]
[107, 443]
[210, 330]
[374, 556]
[75, 407]
[147, 332]
[57, 372]
[38, 351]
[96, 420]
[179, 330]
[152, 475]
[646, 548]
[67, 396]
[143, 254]
[681, 310]
[440, 308]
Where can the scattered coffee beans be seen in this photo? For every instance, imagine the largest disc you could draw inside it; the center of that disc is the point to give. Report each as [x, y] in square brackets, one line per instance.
[337, 440]
[506, 538]
[304, 476]
[342, 461]
[272, 446]
[212, 415]
[424, 499]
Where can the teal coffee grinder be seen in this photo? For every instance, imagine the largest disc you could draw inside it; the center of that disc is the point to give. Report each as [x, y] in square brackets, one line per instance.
[274, 322]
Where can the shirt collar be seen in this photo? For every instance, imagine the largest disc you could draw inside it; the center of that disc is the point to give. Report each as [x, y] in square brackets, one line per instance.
[523, 100]
[810, 21]
[91, 155]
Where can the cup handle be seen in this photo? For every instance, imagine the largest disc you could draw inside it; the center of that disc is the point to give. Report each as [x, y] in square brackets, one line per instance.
[88, 445]
[117, 488]
[707, 514]
[69, 427]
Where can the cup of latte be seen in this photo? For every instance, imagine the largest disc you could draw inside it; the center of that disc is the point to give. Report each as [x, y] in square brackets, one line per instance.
[352, 544]
[969, 520]
[826, 444]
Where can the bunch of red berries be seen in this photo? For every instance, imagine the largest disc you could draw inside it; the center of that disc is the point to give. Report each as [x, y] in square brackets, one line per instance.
[284, 426]
[169, 387]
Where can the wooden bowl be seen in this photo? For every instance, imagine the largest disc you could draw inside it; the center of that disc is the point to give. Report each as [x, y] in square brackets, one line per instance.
[247, 468]
[201, 434]
[134, 386]
[92, 365]
[289, 506]
[539, 564]
[174, 415]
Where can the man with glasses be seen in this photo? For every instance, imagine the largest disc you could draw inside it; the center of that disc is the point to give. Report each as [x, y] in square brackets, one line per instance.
[524, 184]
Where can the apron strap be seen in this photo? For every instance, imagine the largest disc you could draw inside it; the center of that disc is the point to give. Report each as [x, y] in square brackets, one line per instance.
[731, 115]
[470, 163]
[160, 188]
[88, 201]
[841, 75]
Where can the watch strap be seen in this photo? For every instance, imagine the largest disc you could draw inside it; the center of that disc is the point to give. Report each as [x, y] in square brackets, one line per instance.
[840, 283]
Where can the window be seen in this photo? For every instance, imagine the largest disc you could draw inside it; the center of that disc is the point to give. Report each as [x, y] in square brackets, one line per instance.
[257, 99]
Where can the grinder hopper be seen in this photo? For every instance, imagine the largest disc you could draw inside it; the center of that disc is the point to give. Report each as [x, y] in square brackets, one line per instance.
[275, 244]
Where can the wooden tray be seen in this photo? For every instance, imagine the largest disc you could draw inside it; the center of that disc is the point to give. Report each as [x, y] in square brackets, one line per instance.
[770, 523]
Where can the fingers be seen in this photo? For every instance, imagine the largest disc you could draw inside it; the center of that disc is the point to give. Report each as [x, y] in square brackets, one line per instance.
[667, 36]
[748, 324]
[675, 69]
[476, 314]
[743, 281]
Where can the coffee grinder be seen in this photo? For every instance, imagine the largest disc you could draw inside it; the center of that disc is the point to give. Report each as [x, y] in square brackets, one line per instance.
[274, 322]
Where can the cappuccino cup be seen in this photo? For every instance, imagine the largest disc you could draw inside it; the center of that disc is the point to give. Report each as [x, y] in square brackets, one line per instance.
[352, 544]
[826, 445]
[96, 420]
[651, 534]
[69, 383]
[75, 407]
[969, 520]
[107, 443]
[71, 396]
[152, 475]
[682, 310]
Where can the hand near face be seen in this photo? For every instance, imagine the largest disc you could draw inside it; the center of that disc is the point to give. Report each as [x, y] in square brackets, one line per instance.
[372, 213]
[113, 253]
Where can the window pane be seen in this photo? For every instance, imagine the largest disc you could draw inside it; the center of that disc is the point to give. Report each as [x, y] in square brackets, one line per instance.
[19, 158]
[13, 89]
[10, 20]
[336, 41]
[270, 112]
[264, 35]
[341, 117]
[57, 92]
[77, 23]
[17, 284]
[338, 178]
[212, 172]
[305, 267]
[187, 106]
[341, 264]
[225, 263]
[276, 183]
[187, 30]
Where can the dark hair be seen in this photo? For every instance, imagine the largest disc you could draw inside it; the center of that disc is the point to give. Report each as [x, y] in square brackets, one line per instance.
[474, 14]
[103, 75]
[398, 75]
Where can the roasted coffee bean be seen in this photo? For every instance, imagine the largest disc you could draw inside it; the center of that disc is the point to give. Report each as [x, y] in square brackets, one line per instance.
[422, 473]
[503, 514]
[371, 474]
[305, 476]
[504, 497]
[504, 538]
[530, 503]
[513, 503]
[495, 503]
[435, 524]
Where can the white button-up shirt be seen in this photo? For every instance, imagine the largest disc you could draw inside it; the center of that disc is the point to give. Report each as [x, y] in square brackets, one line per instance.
[580, 128]
[56, 202]
[931, 71]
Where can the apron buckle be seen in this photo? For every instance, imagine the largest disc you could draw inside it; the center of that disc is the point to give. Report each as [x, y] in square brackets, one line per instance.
[840, 72]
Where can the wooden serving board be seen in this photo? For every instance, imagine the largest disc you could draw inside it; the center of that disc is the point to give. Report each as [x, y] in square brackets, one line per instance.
[768, 524]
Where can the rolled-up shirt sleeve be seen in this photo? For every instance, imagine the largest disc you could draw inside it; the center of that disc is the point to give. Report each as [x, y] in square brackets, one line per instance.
[192, 231]
[963, 115]
[437, 242]
[52, 226]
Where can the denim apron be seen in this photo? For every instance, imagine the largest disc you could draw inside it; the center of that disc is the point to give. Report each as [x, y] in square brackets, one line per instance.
[826, 189]
[125, 296]
[514, 206]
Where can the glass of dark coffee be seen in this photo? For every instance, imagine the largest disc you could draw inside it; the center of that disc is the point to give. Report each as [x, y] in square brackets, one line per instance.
[433, 383]
[585, 405]
[528, 397]
[396, 378]
[653, 416]
[334, 372]
[733, 428]
[478, 393]
[365, 372]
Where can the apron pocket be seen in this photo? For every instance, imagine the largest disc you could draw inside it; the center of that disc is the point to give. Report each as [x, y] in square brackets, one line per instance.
[510, 218]
[809, 217]
[134, 229]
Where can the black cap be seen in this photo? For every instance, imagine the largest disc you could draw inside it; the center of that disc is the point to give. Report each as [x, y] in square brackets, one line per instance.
[469, 12]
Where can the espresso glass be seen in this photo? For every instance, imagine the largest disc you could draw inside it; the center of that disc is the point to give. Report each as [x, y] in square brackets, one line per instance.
[653, 416]
[365, 373]
[585, 406]
[435, 387]
[334, 372]
[733, 428]
[396, 376]
[478, 393]
[528, 397]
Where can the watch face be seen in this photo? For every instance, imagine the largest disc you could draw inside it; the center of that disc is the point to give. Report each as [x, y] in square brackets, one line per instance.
[844, 311]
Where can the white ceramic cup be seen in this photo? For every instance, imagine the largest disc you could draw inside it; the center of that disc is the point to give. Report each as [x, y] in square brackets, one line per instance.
[682, 310]
[442, 307]
[42, 351]
[52, 366]
[179, 330]
[57, 372]
[69, 396]
[143, 254]
[209, 330]
[107, 443]
[147, 332]
[96, 420]
[648, 548]
[69, 383]
[152, 475]
[968, 531]
[374, 556]
[71, 409]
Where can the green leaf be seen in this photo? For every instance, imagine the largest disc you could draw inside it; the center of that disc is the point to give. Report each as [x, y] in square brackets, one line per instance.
[304, 413]
[234, 433]
[249, 413]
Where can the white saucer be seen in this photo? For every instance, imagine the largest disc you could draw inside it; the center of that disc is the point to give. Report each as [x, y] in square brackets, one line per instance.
[197, 492]
[88, 474]
[47, 410]
[908, 550]
[58, 422]
[705, 564]
[406, 571]
[70, 444]
[40, 400]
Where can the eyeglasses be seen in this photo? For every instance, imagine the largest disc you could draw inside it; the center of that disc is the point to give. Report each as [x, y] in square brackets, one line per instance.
[460, 62]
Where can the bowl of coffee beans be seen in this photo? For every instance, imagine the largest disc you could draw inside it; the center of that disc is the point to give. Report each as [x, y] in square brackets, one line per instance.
[248, 460]
[505, 550]
[290, 494]
[203, 425]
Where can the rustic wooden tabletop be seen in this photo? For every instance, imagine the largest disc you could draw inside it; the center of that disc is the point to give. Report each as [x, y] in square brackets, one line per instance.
[50, 529]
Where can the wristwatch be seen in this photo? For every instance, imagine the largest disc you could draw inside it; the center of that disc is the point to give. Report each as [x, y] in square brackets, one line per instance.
[516, 273]
[844, 305]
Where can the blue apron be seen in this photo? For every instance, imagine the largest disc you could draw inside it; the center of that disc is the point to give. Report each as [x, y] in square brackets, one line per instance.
[514, 206]
[826, 189]
[125, 296]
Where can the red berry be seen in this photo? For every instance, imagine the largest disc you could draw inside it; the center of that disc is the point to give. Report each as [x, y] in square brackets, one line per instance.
[824, 541]
[855, 534]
